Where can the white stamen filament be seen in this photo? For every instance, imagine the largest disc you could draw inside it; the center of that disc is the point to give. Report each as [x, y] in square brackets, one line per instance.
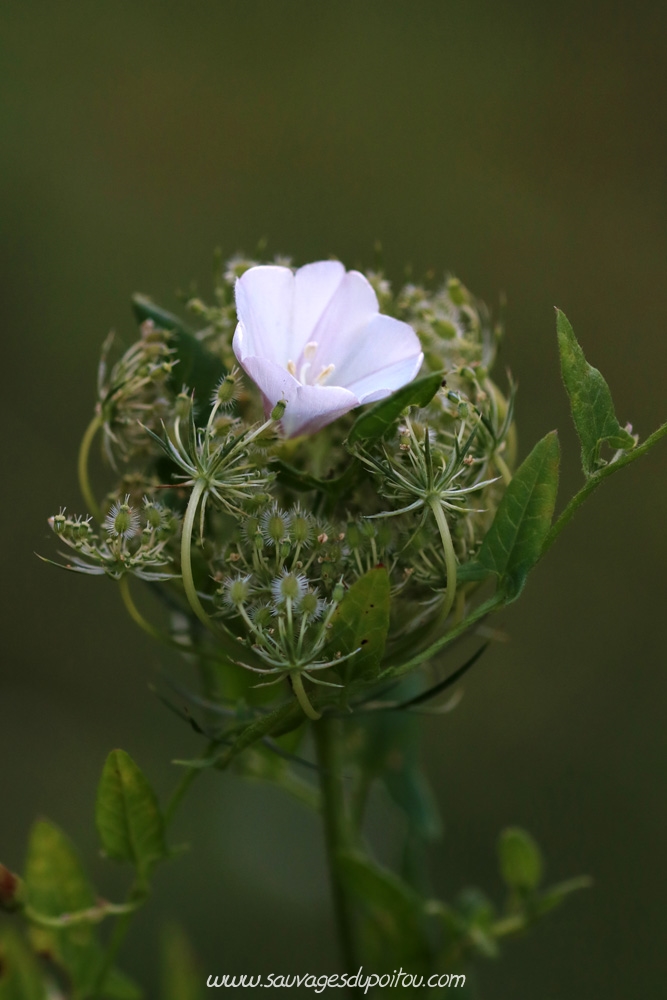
[325, 373]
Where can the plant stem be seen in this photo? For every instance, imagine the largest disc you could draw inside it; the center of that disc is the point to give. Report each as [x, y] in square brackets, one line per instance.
[336, 831]
[186, 557]
[595, 480]
[82, 467]
[450, 555]
[302, 697]
[134, 612]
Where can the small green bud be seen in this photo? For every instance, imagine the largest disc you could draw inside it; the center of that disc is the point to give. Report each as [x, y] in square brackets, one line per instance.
[227, 390]
[353, 535]
[302, 527]
[57, 523]
[275, 525]
[458, 293]
[183, 405]
[153, 514]
[289, 586]
[278, 411]
[311, 605]
[122, 520]
[338, 593]
[237, 591]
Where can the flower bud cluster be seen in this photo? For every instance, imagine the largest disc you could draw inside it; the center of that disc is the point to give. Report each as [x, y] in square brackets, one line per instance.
[133, 540]
[134, 394]
[276, 530]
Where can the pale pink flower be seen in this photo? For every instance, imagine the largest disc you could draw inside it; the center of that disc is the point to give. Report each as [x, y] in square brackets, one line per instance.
[317, 340]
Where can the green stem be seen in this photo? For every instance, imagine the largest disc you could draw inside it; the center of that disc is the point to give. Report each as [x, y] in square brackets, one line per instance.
[186, 554]
[336, 831]
[450, 555]
[179, 793]
[302, 697]
[82, 467]
[595, 480]
[136, 615]
[137, 894]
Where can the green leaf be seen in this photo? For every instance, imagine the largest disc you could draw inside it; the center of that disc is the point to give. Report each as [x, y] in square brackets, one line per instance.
[20, 977]
[181, 975]
[557, 894]
[379, 418]
[57, 884]
[514, 541]
[197, 367]
[590, 400]
[520, 858]
[361, 622]
[127, 814]
[396, 907]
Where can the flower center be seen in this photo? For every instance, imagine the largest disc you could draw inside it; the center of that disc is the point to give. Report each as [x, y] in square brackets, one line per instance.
[305, 375]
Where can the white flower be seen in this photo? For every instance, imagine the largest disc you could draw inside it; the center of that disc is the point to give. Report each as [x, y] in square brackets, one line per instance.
[316, 339]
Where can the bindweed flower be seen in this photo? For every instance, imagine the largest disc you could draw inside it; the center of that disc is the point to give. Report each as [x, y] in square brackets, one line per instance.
[315, 338]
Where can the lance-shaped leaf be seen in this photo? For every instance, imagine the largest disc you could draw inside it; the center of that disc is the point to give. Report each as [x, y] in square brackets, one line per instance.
[514, 541]
[197, 368]
[361, 622]
[590, 400]
[20, 977]
[378, 419]
[127, 814]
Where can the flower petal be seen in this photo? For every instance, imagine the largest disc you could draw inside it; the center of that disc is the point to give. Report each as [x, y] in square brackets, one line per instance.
[352, 307]
[264, 303]
[314, 288]
[385, 354]
[309, 407]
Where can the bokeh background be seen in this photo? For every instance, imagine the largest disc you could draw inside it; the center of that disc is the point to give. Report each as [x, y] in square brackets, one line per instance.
[522, 146]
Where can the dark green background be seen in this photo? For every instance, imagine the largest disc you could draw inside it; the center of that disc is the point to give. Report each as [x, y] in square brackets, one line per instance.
[522, 146]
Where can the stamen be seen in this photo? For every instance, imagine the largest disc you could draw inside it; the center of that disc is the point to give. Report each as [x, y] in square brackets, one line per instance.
[291, 368]
[325, 373]
[310, 350]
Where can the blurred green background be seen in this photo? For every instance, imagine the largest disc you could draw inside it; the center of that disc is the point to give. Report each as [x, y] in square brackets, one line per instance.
[522, 146]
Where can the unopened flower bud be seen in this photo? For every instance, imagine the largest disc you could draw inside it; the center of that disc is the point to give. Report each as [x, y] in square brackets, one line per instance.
[183, 405]
[338, 593]
[278, 410]
[289, 586]
[237, 591]
[227, 390]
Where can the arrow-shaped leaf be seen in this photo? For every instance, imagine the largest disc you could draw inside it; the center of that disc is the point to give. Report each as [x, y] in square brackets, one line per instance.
[127, 814]
[590, 400]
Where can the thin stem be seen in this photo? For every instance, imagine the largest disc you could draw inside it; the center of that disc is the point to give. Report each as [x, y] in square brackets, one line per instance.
[137, 894]
[595, 480]
[186, 555]
[136, 615]
[82, 467]
[336, 831]
[302, 697]
[450, 555]
[179, 793]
